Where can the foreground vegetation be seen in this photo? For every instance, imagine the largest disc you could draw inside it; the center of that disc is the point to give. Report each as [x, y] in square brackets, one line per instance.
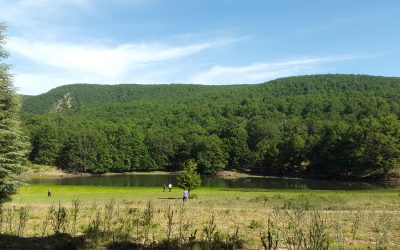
[113, 218]
[13, 144]
[324, 126]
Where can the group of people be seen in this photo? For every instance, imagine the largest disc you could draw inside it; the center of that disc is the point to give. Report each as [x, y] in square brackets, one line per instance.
[169, 187]
[185, 192]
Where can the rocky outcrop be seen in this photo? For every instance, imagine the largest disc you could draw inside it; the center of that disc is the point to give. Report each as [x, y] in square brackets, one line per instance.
[62, 104]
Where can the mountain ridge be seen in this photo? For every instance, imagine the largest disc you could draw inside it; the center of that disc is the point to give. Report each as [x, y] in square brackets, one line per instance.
[87, 94]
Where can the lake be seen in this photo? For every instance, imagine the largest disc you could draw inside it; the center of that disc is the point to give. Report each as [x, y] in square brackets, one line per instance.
[158, 180]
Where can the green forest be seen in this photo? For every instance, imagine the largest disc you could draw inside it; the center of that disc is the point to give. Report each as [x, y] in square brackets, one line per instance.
[319, 126]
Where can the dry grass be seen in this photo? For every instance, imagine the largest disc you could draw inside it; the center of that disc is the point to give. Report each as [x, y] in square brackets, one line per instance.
[351, 219]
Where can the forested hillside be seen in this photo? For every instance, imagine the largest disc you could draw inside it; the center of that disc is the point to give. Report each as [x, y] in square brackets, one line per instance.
[326, 126]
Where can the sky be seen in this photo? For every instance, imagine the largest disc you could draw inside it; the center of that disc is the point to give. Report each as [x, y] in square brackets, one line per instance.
[53, 43]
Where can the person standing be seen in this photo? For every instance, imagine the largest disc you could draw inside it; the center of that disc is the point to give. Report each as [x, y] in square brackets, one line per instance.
[185, 195]
[164, 188]
[170, 187]
[49, 192]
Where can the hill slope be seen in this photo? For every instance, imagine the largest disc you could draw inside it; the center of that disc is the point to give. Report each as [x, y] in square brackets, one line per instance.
[308, 125]
[93, 94]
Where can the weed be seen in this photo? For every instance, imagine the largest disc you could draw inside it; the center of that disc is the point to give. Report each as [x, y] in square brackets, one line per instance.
[271, 239]
[339, 233]
[184, 225]
[148, 216]
[23, 217]
[47, 219]
[210, 232]
[234, 241]
[355, 226]
[58, 218]
[74, 215]
[93, 231]
[9, 219]
[169, 216]
[381, 227]
[125, 221]
[108, 215]
[318, 237]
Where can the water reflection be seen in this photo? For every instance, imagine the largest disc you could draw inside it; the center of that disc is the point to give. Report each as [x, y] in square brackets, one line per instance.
[158, 180]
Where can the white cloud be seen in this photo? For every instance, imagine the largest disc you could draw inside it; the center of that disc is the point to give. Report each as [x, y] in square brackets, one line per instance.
[260, 72]
[33, 83]
[99, 59]
[143, 63]
[52, 64]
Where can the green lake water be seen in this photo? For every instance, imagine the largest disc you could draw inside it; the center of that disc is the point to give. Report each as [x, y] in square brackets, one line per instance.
[158, 180]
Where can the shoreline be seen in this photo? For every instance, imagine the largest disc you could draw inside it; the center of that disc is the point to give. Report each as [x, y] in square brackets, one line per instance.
[44, 171]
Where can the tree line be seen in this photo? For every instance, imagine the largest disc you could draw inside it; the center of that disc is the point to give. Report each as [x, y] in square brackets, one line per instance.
[324, 126]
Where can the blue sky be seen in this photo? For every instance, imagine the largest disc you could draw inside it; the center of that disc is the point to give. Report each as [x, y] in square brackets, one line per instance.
[53, 43]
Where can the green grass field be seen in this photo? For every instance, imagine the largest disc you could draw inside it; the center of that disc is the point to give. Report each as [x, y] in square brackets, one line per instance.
[387, 200]
[349, 218]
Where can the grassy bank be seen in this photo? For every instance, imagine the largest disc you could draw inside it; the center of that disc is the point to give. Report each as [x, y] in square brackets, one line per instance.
[213, 217]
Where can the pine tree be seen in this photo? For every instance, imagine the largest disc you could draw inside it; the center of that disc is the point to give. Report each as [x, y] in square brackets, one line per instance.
[12, 142]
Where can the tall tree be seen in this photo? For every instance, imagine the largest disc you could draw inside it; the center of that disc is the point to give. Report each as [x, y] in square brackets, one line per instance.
[378, 148]
[86, 151]
[46, 145]
[235, 140]
[12, 144]
[210, 154]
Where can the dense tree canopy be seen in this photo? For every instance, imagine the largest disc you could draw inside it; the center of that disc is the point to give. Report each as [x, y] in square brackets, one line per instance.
[12, 146]
[328, 126]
